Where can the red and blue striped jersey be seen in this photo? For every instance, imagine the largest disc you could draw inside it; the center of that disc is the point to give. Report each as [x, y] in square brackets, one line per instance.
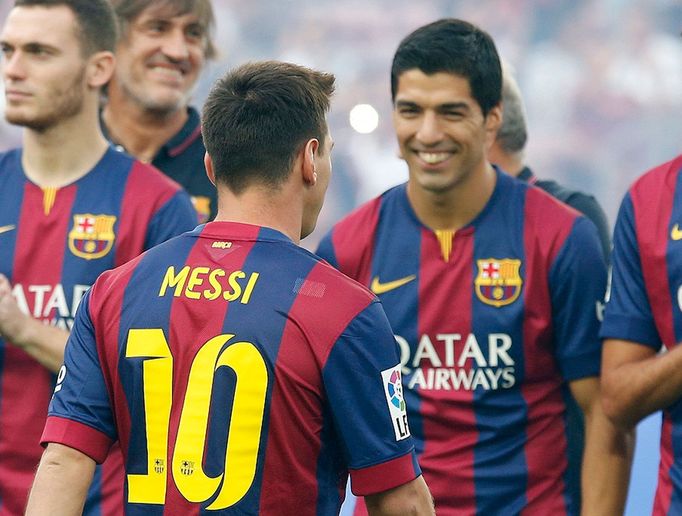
[491, 321]
[54, 243]
[241, 375]
[645, 301]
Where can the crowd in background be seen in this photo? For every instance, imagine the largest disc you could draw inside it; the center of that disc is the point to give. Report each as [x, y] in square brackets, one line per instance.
[601, 80]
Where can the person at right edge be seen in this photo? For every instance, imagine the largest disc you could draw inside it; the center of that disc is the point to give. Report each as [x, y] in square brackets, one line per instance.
[491, 287]
[241, 373]
[642, 329]
[508, 153]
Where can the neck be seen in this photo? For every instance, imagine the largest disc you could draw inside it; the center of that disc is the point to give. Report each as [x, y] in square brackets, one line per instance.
[511, 163]
[65, 152]
[455, 208]
[261, 207]
[142, 132]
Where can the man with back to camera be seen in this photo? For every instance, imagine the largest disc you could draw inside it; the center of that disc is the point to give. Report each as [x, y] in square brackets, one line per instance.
[162, 48]
[71, 208]
[643, 313]
[256, 376]
[491, 288]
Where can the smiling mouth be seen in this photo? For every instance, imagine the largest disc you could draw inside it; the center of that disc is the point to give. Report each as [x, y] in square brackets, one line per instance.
[433, 158]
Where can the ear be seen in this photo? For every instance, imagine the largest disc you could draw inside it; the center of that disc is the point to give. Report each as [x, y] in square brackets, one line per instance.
[208, 163]
[100, 68]
[493, 121]
[309, 150]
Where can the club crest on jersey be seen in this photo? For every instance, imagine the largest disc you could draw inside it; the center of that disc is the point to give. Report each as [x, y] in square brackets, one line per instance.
[498, 282]
[92, 236]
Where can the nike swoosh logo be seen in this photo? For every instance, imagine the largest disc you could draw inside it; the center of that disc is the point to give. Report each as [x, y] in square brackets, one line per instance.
[676, 233]
[5, 229]
[381, 288]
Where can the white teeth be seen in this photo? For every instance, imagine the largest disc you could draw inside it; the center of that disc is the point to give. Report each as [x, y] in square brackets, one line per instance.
[167, 71]
[434, 157]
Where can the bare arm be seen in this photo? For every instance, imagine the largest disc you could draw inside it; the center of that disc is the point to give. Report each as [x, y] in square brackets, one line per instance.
[61, 482]
[637, 382]
[44, 343]
[607, 456]
[411, 498]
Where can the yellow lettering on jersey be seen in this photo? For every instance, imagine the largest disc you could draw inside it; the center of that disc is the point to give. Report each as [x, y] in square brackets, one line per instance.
[195, 282]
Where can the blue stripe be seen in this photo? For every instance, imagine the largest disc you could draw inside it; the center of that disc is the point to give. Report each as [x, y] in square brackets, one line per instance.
[397, 253]
[500, 468]
[12, 188]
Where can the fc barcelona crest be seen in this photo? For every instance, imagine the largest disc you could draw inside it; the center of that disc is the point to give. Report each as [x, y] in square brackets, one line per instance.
[498, 282]
[92, 236]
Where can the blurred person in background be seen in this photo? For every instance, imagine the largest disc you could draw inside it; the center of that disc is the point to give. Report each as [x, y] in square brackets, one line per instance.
[258, 398]
[491, 287]
[72, 207]
[162, 49]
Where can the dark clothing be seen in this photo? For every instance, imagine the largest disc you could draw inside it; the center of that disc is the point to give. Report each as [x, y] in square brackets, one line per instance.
[584, 203]
[182, 159]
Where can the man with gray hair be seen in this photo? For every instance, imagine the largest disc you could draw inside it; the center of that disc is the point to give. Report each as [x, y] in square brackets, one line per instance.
[162, 49]
[508, 151]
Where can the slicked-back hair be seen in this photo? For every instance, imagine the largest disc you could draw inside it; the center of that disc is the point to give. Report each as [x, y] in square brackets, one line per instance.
[513, 133]
[257, 118]
[128, 10]
[97, 28]
[457, 47]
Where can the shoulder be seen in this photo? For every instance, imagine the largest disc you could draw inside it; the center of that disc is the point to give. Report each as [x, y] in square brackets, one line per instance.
[657, 181]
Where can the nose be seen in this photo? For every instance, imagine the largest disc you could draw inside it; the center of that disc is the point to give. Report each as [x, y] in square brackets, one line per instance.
[430, 131]
[12, 67]
[175, 45]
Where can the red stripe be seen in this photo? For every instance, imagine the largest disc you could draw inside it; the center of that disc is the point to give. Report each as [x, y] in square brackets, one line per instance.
[446, 449]
[175, 151]
[147, 190]
[26, 385]
[295, 411]
[653, 230]
[546, 429]
[356, 232]
[193, 322]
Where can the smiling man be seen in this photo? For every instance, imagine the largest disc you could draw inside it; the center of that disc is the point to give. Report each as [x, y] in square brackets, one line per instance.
[490, 286]
[161, 51]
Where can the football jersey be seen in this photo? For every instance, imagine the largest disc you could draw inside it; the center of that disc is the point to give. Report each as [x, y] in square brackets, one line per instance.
[645, 301]
[54, 243]
[182, 159]
[240, 374]
[491, 322]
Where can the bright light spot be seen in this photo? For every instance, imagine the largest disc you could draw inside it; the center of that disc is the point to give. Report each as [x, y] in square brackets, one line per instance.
[364, 118]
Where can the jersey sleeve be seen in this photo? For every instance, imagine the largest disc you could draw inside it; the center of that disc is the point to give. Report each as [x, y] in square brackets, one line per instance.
[578, 284]
[363, 383]
[588, 205]
[628, 313]
[175, 217]
[79, 415]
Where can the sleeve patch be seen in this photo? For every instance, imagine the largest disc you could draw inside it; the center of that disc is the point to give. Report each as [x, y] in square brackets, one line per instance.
[393, 390]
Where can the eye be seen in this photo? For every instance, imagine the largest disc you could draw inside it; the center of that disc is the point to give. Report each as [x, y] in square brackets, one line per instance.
[195, 32]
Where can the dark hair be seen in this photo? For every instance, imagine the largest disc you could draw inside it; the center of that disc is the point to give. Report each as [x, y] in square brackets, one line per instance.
[457, 47]
[512, 134]
[128, 10]
[97, 29]
[258, 116]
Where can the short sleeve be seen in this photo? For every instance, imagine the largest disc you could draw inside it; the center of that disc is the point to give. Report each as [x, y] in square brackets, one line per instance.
[79, 415]
[628, 312]
[363, 383]
[577, 285]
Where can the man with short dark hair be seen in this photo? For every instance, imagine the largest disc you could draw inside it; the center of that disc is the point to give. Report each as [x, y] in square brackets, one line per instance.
[244, 375]
[162, 49]
[71, 208]
[491, 288]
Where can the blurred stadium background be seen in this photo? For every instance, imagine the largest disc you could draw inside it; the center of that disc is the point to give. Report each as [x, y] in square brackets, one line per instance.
[602, 81]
